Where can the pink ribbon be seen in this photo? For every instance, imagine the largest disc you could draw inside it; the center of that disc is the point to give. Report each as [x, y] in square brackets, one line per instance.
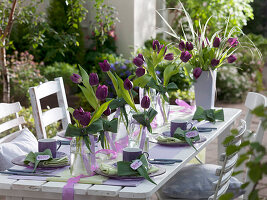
[143, 138]
[187, 108]
[68, 189]
[122, 143]
[154, 123]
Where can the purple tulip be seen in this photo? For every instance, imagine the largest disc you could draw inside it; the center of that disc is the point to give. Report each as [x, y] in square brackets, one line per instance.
[76, 78]
[231, 58]
[93, 79]
[216, 42]
[105, 66]
[145, 103]
[141, 56]
[160, 47]
[77, 113]
[107, 111]
[181, 45]
[101, 92]
[85, 118]
[185, 56]
[140, 71]
[197, 72]
[169, 56]
[155, 44]
[138, 61]
[128, 84]
[233, 42]
[214, 62]
[189, 46]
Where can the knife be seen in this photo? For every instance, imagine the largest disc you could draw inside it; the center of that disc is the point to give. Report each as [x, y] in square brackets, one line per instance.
[161, 162]
[27, 174]
[166, 160]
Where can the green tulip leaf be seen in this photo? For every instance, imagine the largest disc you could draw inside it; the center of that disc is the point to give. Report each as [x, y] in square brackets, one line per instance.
[151, 114]
[114, 82]
[169, 71]
[111, 126]
[142, 80]
[100, 111]
[125, 93]
[90, 96]
[172, 87]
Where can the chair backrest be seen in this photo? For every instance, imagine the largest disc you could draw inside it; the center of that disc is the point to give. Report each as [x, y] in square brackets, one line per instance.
[60, 113]
[7, 109]
[227, 168]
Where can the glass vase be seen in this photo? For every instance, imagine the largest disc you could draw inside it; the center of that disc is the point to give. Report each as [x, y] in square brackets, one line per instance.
[164, 109]
[80, 157]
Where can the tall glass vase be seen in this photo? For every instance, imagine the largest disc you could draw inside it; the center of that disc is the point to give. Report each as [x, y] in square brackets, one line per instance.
[80, 157]
[164, 109]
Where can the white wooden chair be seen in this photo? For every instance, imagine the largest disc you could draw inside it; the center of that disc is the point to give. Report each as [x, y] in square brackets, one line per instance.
[7, 109]
[253, 100]
[223, 172]
[60, 113]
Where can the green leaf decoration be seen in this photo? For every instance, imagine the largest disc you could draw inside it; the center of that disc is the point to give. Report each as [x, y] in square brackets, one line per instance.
[111, 126]
[125, 93]
[71, 110]
[90, 96]
[169, 71]
[227, 196]
[181, 135]
[100, 111]
[140, 118]
[124, 169]
[123, 111]
[116, 103]
[151, 114]
[31, 158]
[142, 80]
[95, 127]
[210, 115]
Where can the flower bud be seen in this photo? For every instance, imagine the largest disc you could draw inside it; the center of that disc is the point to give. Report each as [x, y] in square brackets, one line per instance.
[93, 79]
[102, 92]
[145, 103]
[162, 46]
[181, 45]
[141, 56]
[77, 113]
[76, 78]
[105, 66]
[107, 111]
[189, 46]
[85, 118]
[216, 42]
[140, 71]
[214, 62]
[127, 84]
[185, 56]
[233, 42]
[155, 44]
[231, 58]
[197, 72]
[168, 56]
[138, 61]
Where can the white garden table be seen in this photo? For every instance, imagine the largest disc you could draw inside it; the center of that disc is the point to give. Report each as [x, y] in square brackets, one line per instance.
[29, 189]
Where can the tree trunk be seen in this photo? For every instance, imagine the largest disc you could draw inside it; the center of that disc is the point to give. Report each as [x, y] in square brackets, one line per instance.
[5, 76]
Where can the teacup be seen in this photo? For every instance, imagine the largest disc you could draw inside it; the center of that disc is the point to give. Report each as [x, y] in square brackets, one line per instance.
[130, 153]
[182, 124]
[49, 143]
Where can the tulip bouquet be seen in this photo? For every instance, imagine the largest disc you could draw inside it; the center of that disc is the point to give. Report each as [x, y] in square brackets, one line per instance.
[200, 53]
[146, 76]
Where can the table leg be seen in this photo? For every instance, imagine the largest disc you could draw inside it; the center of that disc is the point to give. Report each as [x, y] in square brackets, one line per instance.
[221, 138]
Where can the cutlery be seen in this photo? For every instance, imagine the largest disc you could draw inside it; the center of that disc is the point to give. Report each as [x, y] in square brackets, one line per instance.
[64, 142]
[171, 160]
[201, 129]
[30, 171]
[161, 162]
[27, 174]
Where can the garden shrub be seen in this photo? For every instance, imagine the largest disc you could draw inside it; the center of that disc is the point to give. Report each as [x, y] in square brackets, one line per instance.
[231, 86]
[63, 70]
[24, 73]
